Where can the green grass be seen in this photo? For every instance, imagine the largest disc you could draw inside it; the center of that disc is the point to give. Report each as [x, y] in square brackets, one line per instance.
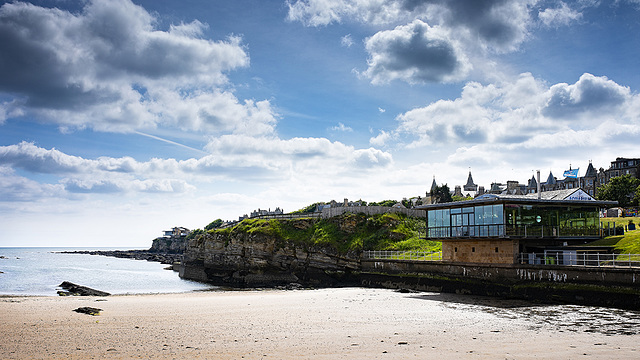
[348, 232]
[619, 221]
[629, 243]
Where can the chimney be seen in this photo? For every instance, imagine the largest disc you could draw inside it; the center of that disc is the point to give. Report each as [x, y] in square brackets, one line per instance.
[538, 189]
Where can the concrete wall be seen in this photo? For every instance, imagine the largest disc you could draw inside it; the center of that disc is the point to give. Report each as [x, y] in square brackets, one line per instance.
[508, 274]
[490, 251]
[550, 284]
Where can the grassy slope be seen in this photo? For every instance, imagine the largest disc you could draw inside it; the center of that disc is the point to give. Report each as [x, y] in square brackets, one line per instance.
[377, 232]
[629, 243]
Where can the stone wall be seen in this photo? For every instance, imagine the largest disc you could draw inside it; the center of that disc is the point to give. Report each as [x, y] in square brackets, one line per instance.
[493, 251]
[370, 210]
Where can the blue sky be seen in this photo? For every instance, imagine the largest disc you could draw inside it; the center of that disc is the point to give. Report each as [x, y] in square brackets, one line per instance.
[119, 119]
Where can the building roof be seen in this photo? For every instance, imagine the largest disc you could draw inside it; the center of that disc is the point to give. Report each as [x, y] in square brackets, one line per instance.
[560, 197]
[591, 172]
[551, 180]
[470, 181]
[532, 183]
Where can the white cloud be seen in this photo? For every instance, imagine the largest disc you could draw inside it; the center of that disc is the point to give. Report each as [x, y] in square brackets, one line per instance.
[342, 127]
[526, 113]
[231, 158]
[437, 38]
[590, 95]
[14, 188]
[346, 41]
[325, 12]
[415, 53]
[109, 68]
[560, 16]
[311, 156]
[380, 139]
[381, 110]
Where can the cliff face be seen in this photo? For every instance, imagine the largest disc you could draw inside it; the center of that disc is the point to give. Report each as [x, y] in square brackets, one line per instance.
[263, 257]
[173, 245]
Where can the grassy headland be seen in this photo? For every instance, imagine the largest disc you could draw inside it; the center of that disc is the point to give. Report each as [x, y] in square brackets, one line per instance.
[348, 232]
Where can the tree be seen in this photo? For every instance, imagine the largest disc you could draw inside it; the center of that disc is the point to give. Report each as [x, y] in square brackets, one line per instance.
[636, 198]
[214, 224]
[441, 194]
[461, 198]
[621, 189]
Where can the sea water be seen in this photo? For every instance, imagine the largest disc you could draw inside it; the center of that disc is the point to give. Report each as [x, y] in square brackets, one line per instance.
[39, 271]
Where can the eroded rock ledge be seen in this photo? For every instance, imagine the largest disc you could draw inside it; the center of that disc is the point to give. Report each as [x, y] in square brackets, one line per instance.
[261, 258]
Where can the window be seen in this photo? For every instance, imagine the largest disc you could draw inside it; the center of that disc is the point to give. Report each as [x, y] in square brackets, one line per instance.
[455, 249]
[496, 249]
[473, 249]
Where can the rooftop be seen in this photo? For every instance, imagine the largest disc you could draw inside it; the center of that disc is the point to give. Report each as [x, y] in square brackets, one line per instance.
[558, 197]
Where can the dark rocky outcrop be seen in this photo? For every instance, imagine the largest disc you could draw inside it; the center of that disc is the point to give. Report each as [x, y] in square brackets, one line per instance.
[164, 258]
[247, 258]
[71, 289]
[88, 310]
[170, 245]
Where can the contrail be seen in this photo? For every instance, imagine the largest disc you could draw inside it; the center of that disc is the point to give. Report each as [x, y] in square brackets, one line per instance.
[171, 142]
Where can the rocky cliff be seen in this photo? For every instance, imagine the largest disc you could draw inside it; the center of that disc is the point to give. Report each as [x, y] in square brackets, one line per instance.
[316, 252]
[262, 256]
[172, 245]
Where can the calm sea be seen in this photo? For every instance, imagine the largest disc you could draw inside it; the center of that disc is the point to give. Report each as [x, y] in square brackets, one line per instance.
[39, 271]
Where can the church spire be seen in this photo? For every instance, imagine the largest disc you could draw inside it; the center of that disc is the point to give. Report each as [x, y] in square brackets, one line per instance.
[433, 185]
[470, 186]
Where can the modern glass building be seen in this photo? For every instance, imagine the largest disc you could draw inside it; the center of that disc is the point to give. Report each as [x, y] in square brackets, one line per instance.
[496, 228]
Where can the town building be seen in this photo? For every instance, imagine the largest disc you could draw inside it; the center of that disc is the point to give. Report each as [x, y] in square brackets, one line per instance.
[498, 229]
[176, 232]
[261, 212]
[589, 182]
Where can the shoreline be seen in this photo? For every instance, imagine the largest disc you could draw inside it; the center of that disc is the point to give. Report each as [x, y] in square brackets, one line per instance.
[320, 324]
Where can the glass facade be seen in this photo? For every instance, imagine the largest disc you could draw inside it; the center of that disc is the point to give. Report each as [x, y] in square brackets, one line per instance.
[513, 220]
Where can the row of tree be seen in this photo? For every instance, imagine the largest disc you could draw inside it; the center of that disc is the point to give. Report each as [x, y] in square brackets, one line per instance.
[623, 189]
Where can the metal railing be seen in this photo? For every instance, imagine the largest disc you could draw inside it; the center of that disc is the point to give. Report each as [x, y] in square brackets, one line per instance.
[519, 231]
[580, 259]
[402, 255]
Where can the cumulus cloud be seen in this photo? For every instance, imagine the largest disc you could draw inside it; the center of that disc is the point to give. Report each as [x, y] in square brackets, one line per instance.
[414, 53]
[106, 186]
[429, 38]
[109, 68]
[560, 16]
[312, 155]
[14, 188]
[590, 94]
[234, 157]
[525, 112]
[381, 139]
[325, 12]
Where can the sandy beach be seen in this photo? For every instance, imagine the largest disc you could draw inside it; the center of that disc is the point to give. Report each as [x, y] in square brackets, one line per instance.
[348, 323]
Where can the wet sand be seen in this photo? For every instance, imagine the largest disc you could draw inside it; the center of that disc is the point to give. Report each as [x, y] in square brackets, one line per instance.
[350, 323]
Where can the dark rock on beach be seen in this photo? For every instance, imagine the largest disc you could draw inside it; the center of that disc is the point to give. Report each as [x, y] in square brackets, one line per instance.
[71, 289]
[88, 310]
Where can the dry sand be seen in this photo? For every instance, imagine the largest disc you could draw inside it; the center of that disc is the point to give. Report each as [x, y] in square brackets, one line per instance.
[349, 323]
